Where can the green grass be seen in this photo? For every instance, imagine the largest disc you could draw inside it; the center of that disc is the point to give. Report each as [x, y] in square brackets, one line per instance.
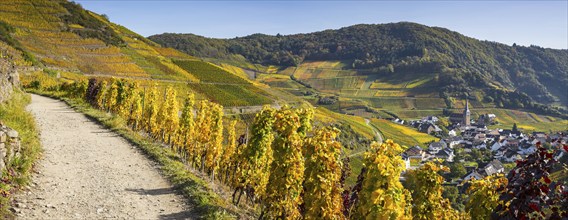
[401, 134]
[14, 115]
[232, 95]
[527, 122]
[206, 72]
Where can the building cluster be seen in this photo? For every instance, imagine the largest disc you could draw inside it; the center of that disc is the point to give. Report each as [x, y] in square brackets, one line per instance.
[505, 145]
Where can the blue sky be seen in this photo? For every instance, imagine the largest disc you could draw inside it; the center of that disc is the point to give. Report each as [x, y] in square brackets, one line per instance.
[542, 23]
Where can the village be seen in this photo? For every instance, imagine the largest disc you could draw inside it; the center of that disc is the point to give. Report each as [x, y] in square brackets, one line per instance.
[473, 150]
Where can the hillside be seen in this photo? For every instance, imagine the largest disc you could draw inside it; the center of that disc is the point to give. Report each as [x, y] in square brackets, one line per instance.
[448, 63]
[61, 37]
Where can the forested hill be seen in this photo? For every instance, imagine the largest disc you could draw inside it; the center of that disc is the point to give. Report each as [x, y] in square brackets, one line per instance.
[464, 63]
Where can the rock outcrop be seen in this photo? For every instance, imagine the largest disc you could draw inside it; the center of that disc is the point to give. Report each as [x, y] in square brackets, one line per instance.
[9, 79]
[9, 145]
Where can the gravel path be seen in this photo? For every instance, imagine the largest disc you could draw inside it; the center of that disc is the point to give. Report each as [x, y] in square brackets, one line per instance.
[89, 172]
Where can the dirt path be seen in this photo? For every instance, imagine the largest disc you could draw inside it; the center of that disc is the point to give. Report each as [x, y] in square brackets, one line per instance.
[88, 172]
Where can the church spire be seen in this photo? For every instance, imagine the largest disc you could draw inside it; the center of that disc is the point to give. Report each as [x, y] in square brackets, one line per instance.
[466, 114]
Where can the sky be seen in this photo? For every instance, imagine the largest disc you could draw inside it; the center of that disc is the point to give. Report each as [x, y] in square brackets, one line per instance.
[542, 23]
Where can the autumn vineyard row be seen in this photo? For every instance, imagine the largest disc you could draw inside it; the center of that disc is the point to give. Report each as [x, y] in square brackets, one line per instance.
[290, 170]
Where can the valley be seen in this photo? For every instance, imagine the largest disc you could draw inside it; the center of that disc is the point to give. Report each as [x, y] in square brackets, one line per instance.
[295, 126]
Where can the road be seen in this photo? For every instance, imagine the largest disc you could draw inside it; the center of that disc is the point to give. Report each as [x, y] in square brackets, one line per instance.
[89, 172]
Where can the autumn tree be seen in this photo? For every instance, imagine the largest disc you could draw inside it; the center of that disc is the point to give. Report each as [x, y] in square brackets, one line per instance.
[382, 195]
[283, 194]
[101, 95]
[151, 108]
[253, 162]
[187, 125]
[213, 151]
[531, 193]
[168, 118]
[229, 151]
[425, 185]
[484, 196]
[322, 196]
[203, 133]
[111, 96]
[136, 108]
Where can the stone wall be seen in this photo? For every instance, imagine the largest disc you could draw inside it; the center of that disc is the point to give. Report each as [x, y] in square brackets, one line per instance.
[9, 79]
[9, 145]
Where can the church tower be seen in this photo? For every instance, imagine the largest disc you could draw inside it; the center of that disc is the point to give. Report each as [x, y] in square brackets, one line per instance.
[466, 114]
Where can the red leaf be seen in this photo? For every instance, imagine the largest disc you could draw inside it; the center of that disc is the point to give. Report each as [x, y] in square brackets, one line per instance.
[534, 207]
[547, 180]
[544, 189]
[565, 147]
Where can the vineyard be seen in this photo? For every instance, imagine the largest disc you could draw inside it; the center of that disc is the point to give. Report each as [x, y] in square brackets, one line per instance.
[232, 95]
[288, 168]
[404, 135]
[206, 72]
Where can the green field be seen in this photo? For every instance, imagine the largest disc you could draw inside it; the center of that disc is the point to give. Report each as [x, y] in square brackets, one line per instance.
[232, 95]
[401, 134]
[525, 120]
[206, 72]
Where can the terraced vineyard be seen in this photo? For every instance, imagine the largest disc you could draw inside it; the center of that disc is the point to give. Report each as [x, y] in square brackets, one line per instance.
[65, 38]
[524, 120]
[206, 72]
[404, 135]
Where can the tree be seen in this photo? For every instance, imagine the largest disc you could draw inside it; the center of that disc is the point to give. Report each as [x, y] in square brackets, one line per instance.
[457, 170]
[168, 117]
[112, 96]
[425, 184]
[135, 116]
[121, 107]
[101, 95]
[382, 195]
[227, 158]
[187, 125]
[151, 109]
[515, 129]
[203, 128]
[213, 152]
[283, 194]
[531, 193]
[253, 166]
[484, 196]
[322, 196]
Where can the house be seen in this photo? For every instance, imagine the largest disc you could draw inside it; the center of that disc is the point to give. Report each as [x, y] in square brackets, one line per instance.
[472, 175]
[454, 141]
[446, 154]
[537, 140]
[511, 133]
[486, 119]
[415, 152]
[398, 121]
[479, 137]
[526, 149]
[498, 145]
[452, 133]
[493, 167]
[430, 119]
[513, 143]
[456, 118]
[511, 156]
[427, 128]
[434, 147]
[480, 146]
[406, 160]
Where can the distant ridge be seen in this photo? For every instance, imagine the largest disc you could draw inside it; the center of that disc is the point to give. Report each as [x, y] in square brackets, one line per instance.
[513, 76]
